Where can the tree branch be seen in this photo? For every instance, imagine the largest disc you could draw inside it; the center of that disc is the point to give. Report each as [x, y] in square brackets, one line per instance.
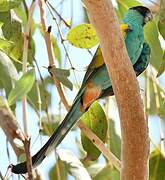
[135, 141]
[51, 55]
[10, 127]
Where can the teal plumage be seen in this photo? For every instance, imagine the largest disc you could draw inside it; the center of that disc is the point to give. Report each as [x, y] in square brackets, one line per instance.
[96, 83]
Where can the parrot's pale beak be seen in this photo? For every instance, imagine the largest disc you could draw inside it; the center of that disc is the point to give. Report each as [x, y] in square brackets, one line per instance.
[148, 17]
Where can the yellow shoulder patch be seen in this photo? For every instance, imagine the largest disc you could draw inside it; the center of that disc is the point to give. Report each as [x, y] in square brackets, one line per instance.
[124, 29]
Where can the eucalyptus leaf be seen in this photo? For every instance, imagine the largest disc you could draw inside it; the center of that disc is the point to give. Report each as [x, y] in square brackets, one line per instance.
[83, 36]
[155, 108]
[62, 76]
[5, 45]
[162, 12]
[45, 95]
[107, 173]
[12, 31]
[8, 73]
[22, 87]
[161, 28]
[151, 36]
[162, 66]
[161, 23]
[124, 5]
[96, 120]
[114, 140]
[156, 166]
[59, 170]
[6, 5]
[75, 167]
[50, 125]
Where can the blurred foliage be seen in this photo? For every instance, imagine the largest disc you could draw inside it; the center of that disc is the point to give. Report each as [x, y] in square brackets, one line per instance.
[6, 5]
[13, 21]
[156, 166]
[22, 87]
[8, 73]
[114, 140]
[59, 171]
[62, 76]
[107, 173]
[49, 124]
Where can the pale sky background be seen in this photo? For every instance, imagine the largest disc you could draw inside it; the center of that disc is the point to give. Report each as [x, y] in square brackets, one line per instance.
[80, 59]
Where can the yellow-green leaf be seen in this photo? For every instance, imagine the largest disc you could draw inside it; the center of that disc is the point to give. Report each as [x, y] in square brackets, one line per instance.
[6, 5]
[96, 120]
[151, 36]
[156, 166]
[83, 36]
[161, 28]
[22, 87]
[8, 72]
[12, 31]
[162, 67]
[106, 173]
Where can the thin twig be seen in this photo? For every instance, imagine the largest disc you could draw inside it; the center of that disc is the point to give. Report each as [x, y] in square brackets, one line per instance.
[62, 41]
[1, 176]
[60, 17]
[50, 52]
[100, 145]
[24, 100]
[25, 57]
[28, 158]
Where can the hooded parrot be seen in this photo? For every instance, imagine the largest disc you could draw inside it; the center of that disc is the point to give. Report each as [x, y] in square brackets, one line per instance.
[96, 83]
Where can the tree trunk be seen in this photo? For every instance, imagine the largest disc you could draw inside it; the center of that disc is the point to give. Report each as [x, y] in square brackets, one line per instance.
[135, 140]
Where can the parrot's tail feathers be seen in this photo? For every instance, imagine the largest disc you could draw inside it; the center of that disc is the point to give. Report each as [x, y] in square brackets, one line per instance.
[71, 118]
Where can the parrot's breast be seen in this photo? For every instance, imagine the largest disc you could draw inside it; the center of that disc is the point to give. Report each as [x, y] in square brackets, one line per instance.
[134, 42]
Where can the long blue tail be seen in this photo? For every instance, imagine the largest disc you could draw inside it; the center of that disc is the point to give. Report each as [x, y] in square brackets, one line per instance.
[71, 118]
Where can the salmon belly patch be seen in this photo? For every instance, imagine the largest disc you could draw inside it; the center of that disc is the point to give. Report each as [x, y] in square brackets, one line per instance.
[91, 93]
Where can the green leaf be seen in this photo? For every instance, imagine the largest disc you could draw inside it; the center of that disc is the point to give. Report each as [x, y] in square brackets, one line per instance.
[45, 96]
[83, 36]
[156, 166]
[59, 171]
[162, 12]
[12, 31]
[161, 28]
[5, 45]
[21, 13]
[8, 73]
[62, 75]
[50, 125]
[114, 140]
[22, 87]
[94, 118]
[151, 36]
[75, 167]
[161, 23]
[124, 5]
[1, 24]
[107, 173]
[157, 107]
[6, 5]
[162, 66]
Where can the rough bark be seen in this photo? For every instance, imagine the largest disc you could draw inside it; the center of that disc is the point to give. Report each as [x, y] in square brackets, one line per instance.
[135, 141]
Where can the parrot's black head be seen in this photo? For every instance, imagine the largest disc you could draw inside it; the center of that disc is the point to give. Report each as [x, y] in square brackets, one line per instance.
[145, 12]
